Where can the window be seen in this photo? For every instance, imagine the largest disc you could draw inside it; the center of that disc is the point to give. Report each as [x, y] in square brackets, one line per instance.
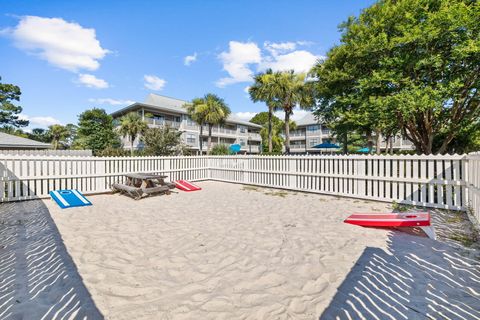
[191, 138]
[242, 129]
[178, 119]
[242, 142]
[190, 122]
[315, 127]
[325, 130]
[313, 142]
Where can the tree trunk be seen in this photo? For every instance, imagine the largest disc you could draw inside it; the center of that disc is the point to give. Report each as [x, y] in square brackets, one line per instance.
[201, 139]
[209, 143]
[132, 140]
[270, 143]
[377, 142]
[287, 132]
[369, 142]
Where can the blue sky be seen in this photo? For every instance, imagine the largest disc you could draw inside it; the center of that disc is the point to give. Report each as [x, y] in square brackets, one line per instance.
[68, 56]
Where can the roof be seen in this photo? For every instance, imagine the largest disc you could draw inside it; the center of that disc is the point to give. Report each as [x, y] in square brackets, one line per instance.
[11, 141]
[307, 120]
[168, 104]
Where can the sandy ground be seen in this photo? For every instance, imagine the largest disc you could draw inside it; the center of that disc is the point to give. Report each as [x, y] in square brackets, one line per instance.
[237, 252]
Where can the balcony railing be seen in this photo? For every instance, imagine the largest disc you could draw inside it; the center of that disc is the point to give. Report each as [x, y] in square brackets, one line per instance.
[254, 136]
[297, 146]
[161, 123]
[297, 134]
[218, 130]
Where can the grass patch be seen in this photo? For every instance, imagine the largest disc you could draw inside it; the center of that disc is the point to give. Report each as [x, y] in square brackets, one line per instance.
[454, 217]
[401, 207]
[464, 239]
[250, 188]
[268, 192]
[281, 194]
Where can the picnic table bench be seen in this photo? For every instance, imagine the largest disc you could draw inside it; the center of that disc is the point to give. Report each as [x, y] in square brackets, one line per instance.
[139, 185]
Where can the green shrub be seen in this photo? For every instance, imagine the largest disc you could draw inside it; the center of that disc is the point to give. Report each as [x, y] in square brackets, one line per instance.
[220, 150]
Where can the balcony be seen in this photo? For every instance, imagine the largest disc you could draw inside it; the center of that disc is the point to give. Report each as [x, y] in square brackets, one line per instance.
[297, 134]
[162, 123]
[192, 126]
[252, 148]
[254, 136]
[297, 146]
[296, 138]
[218, 131]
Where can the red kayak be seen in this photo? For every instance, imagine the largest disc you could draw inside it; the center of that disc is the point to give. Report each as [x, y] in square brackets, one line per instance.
[416, 219]
[186, 186]
[421, 219]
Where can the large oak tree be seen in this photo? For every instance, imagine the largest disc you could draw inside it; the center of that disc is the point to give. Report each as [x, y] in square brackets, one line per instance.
[412, 65]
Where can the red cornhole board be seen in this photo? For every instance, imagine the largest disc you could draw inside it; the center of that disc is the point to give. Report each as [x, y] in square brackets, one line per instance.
[186, 186]
[416, 219]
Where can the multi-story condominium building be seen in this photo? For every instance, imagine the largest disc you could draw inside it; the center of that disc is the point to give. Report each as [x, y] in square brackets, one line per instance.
[169, 111]
[310, 132]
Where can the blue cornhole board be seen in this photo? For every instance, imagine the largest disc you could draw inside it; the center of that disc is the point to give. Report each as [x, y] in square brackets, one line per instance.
[69, 198]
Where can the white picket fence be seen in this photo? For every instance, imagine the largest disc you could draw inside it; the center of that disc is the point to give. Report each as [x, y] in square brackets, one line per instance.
[30, 177]
[473, 184]
[432, 181]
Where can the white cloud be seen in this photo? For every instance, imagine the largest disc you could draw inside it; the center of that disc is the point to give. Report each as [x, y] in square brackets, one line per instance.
[188, 60]
[90, 81]
[278, 47]
[154, 83]
[236, 62]
[279, 56]
[110, 101]
[297, 114]
[40, 121]
[245, 115]
[300, 61]
[66, 45]
[246, 89]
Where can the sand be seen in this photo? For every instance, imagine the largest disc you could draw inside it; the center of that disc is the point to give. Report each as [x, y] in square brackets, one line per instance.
[236, 252]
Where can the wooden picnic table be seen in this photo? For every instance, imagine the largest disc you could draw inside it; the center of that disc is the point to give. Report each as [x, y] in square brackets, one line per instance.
[145, 180]
[139, 185]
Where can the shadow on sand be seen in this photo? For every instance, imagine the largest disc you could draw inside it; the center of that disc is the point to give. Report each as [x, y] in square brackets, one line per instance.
[418, 278]
[38, 279]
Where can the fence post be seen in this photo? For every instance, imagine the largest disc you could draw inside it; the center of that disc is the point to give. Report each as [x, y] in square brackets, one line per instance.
[209, 167]
[292, 168]
[167, 167]
[246, 170]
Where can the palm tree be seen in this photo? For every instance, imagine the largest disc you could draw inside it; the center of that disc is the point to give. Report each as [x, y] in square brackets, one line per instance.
[57, 133]
[131, 126]
[291, 90]
[197, 117]
[263, 90]
[210, 110]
